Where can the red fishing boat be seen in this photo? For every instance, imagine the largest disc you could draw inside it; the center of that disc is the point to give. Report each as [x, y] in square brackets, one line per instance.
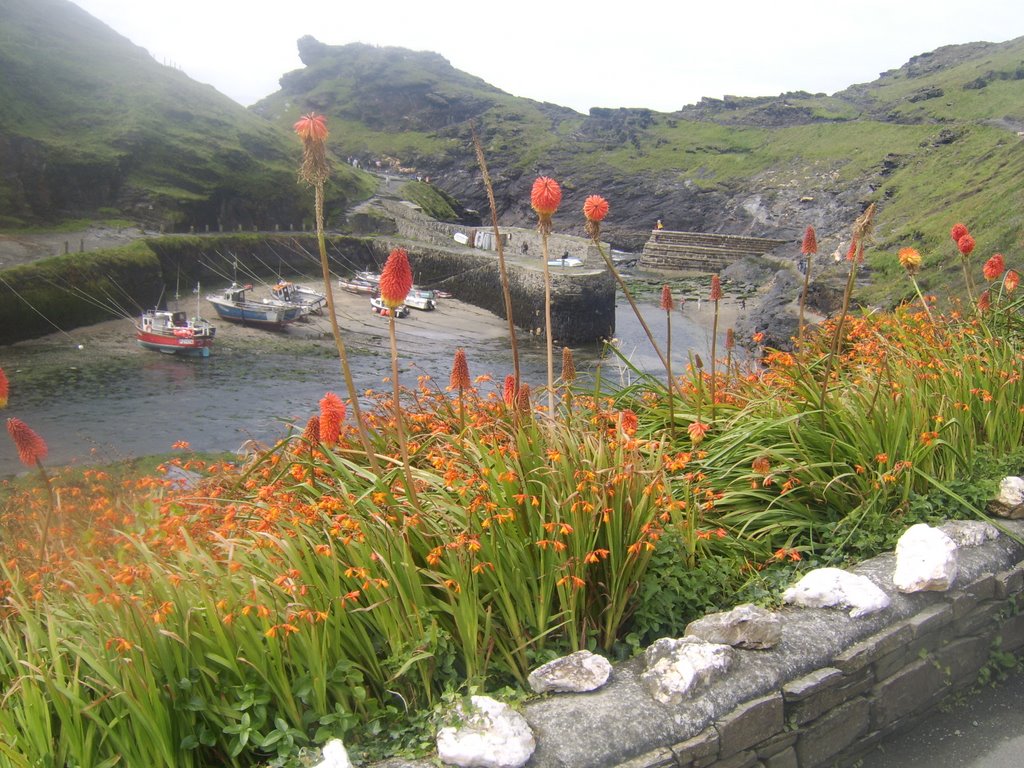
[174, 333]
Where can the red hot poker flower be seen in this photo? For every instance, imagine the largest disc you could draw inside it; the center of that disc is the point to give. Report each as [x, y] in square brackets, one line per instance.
[509, 392]
[810, 244]
[1011, 281]
[4, 389]
[460, 371]
[628, 421]
[311, 434]
[716, 288]
[994, 267]
[985, 301]
[595, 208]
[568, 365]
[31, 447]
[545, 197]
[311, 127]
[666, 298]
[965, 244]
[697, 430]
[396, 278]
[958, 231]
[332, 414]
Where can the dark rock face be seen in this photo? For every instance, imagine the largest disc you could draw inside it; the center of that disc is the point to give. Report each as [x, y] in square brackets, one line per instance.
[775, 317]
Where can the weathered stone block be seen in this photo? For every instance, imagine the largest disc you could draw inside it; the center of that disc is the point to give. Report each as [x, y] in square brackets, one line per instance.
[983, 588]
[816, 705]
[894, 661]
[750, 724]
[930, 619]
[863, 653]
[1012, 633]
[962, 602]
[980, 621]
[833, 733]
[703, 745]
[1010, 582]
[776, 744]
[911, 690]
[658, 758]
[963, 658]
[739, 760]
[785, 759]
[819, 679]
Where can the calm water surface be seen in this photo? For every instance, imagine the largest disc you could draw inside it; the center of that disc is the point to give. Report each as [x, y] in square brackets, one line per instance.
[114, 400]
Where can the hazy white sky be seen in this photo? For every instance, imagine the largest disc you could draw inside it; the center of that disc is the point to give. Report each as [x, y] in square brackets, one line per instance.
[645, 53]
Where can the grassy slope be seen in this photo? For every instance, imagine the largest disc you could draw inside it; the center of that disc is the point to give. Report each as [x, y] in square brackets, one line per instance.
[89, 96]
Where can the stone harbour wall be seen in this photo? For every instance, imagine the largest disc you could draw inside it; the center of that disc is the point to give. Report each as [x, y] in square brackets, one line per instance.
[832, 689]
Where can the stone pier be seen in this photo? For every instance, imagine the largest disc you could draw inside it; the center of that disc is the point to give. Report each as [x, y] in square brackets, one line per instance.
[701, 252]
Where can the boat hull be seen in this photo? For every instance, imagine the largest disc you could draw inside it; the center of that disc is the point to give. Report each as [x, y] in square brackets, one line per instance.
[172, 345]
[267, 316]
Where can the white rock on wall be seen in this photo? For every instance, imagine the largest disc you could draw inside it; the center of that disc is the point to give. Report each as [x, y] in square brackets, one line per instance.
[834, 587]
[969, 533]
[745, 626]
[492, 735]
[925, 560]
[675, 667]
[1009, 502]
[576, 673]
[335, 755]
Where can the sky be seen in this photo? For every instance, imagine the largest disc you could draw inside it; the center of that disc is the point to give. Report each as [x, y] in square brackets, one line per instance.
[657, 54]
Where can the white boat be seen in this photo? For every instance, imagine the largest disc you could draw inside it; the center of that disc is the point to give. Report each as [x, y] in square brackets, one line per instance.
[570, 261]
[290, 293]
[233, 305]
[379, 308]
[420, 298]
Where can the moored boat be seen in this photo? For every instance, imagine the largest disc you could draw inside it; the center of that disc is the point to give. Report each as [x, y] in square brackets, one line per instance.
[378, 307]
[359, 286]
[233, 305]
[419, 298]
[174, 333]
[290, 293]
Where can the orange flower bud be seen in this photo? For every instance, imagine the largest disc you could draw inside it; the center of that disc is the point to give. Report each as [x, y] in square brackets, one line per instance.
[545, 197]
[509, 391]
[810, 244]
[460, 371]
[311, 127]
[716, 288]
[395, 278]
[666, 298]
[1011, 281]
[332, 413]
[965, 244]
[4, 389]
[910, 259]
[985, 301]
[595, 208]
[31, 447]
[994, 267]
[311, 434]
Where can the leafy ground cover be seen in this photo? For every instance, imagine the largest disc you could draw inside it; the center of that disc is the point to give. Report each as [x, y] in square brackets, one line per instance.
[238, 614]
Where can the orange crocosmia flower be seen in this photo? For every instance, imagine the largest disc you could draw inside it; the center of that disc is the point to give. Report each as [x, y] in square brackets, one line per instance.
[595, 208]
[31, 447]
[546, 196]
[993, 268]
[716, 288]
[910, 259]
[332, 414]
[810, 243]
[958, 230]
[311, 127]
[1011, 281]
[758, 337]
[460, 371]
[629, 421]
[762, 465]
[4, 389]
[666, 298]
[697, 430]
[965, 244]
[396, 278]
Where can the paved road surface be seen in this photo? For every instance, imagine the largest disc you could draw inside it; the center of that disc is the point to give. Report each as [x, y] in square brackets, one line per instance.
[985, 731]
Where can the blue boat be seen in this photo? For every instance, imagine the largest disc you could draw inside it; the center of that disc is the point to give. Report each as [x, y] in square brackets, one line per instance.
[232, 305]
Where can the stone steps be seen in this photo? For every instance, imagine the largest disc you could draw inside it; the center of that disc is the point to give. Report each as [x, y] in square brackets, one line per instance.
[701, 251]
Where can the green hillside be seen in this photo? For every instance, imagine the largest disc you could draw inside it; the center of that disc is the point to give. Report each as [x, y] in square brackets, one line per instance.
[90, 123]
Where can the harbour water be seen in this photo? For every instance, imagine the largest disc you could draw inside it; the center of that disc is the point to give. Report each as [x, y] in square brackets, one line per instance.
[95, 397]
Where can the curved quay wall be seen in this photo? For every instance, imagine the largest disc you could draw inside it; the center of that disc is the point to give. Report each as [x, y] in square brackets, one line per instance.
[829, 692]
